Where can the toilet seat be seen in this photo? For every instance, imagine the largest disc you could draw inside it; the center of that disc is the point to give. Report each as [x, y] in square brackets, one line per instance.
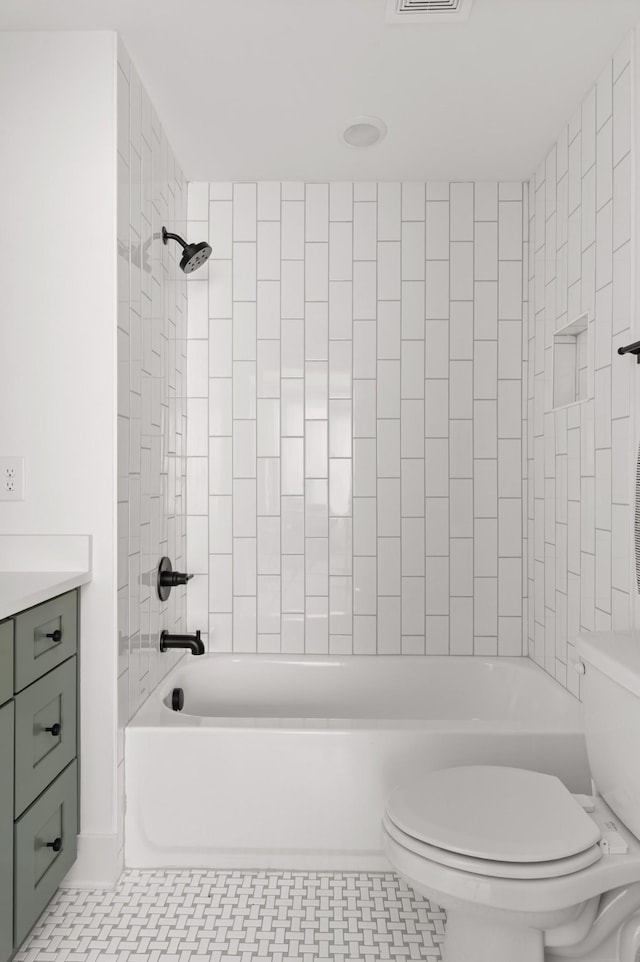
[447, 884]
[491, 868]
[495, 815]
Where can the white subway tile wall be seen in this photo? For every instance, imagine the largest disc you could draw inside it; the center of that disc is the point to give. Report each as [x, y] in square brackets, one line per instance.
[152, 418]
[355, 463]
[580, 459]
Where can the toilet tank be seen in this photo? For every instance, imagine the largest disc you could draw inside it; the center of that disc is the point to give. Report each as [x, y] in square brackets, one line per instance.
[610, 690]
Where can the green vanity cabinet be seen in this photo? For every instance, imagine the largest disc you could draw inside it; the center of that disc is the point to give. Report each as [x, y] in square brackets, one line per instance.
[45, 636]
[45, 732]
[45, 849]
[38, 761]
[6, 831]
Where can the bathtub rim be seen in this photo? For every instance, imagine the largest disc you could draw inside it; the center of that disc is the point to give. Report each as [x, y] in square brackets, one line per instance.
[154, 714]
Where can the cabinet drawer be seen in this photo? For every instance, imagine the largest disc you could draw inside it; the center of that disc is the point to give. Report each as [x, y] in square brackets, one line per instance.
[39, 868]
[45, 636]
[6, 661]
[48, 703]
[6, 832]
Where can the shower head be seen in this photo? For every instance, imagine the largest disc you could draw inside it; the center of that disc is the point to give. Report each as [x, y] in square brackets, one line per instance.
[193, 255]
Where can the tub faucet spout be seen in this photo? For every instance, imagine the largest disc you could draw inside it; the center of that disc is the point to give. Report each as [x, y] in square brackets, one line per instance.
[193, 642]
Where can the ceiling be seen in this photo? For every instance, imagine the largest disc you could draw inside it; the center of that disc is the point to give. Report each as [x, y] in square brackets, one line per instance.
[260, 89]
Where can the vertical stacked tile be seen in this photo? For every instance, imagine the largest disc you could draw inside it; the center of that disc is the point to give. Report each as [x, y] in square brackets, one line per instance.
[377, 411]
[486, 466]
[266, 324]
[152, 339]
[376, 259]
[365, 383]
[483, 284]
[309, 229]
[382, 358]
[421, 603]
[288, 480]
[580, 457]
[253, 375]
[473, 442]
[346, 242]
[293, 468]
[526, 415]
[448, 426]
[529, 333]
[358, 315]
[510, 420]
[217, 422]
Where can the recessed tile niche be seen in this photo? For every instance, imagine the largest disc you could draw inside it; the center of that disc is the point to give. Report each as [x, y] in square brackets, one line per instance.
[572, 360]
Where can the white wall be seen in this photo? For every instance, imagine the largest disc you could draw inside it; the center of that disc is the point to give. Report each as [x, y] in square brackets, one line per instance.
[581, 457]
[58, 343]
[355, 417]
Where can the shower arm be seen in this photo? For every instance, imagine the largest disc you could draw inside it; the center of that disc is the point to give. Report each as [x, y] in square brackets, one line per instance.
[168, 236]
[631, 349]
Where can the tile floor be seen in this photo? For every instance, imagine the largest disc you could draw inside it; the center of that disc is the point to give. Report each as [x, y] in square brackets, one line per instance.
[191, 916]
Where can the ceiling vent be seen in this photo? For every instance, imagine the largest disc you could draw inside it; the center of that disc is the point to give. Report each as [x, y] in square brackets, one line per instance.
[427, 11]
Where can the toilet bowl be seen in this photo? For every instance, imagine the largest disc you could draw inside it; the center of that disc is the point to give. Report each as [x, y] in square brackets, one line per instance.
[523, 870]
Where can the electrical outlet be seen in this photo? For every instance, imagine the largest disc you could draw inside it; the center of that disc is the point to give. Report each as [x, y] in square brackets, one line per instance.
[11, 479]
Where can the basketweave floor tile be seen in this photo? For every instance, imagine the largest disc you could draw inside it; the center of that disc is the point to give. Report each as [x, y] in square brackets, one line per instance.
[232, 916]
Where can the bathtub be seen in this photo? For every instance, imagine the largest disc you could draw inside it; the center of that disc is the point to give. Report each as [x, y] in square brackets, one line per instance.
[284, 762]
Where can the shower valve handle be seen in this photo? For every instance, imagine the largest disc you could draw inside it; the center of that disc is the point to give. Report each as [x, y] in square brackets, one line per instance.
[167, 578]
[171, 579]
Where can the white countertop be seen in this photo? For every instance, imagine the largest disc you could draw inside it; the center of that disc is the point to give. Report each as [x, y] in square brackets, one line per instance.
[23, 589]
[34, 568]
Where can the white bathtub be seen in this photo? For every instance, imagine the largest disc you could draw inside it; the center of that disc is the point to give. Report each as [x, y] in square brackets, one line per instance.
[281, 761]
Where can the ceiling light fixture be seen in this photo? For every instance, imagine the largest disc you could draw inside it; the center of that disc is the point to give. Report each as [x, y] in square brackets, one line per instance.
[364, 132]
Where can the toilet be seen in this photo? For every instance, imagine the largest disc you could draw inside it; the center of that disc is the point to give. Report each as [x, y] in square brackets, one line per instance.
[525, 870]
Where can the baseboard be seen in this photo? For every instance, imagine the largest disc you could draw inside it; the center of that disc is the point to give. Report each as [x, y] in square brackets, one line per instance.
[98, 865]
[277, 861]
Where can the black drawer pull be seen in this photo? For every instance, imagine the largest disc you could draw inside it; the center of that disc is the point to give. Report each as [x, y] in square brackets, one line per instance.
[56, 845]
[55, 636]
[55, 729]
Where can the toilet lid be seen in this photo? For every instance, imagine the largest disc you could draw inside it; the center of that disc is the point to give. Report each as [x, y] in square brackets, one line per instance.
[500, 814]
